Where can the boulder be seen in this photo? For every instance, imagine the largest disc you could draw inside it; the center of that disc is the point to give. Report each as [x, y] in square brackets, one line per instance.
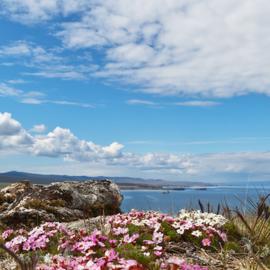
[30, 204]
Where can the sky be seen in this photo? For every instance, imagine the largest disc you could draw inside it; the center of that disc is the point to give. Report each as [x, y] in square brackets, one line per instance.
[170, 89]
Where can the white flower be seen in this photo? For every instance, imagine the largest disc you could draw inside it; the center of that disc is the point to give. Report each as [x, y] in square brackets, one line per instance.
[180, 231]
[197, 233]
[47, 258]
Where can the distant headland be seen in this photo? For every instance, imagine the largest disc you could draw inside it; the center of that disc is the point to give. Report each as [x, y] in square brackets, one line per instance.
[125, 183]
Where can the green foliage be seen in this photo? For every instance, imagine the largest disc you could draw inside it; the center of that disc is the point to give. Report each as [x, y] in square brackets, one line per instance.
[133, 229]
[144, 236]
[130, 251]
[169, 231]
[232, 231]
[230, 245]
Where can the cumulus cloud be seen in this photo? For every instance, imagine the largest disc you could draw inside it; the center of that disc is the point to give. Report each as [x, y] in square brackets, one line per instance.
[12, 134]
[9, 126]
[62, 143]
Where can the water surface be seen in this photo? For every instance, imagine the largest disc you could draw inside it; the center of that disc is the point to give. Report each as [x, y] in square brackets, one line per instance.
[174, 200]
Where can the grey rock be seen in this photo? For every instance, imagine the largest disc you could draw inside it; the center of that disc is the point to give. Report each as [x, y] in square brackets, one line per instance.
[29, 204]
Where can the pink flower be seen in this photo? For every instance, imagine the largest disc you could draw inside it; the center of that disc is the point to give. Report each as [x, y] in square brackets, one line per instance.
[111, 255]
[206, 242]
[95, 251]
[119, 231]
[157, 237]
[7, 233]
[223, 236]
[175, 260]
[158, 253]
[131, 239]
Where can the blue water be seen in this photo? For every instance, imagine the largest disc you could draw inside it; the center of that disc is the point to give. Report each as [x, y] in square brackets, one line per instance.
[175, 200]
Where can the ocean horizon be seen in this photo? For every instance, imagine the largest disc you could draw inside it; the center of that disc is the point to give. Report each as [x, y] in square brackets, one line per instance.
[174, 200]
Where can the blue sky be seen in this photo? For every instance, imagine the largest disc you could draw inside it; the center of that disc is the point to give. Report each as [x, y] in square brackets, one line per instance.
[175, 90]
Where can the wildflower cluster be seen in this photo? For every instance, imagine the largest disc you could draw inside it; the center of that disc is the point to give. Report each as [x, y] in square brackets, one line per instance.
[205, 226]
[132, 241]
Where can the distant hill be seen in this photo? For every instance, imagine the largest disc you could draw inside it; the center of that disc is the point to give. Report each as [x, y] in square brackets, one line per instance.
[14, 176]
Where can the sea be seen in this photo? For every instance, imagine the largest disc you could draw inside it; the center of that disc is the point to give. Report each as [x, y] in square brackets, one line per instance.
[172, 201]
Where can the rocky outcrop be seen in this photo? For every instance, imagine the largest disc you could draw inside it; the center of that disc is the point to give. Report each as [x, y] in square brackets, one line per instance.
[29, 204]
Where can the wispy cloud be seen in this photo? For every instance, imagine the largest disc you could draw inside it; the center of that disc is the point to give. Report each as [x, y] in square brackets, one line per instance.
[240, 140]
[17, 81]
[41, 62]
[36, 101]
[66, 75]
[141, 102]
[6, 90]
[16, 49]
[36, 97]
[198, 103]
[38, 128]
[70, 103]
[190, 103]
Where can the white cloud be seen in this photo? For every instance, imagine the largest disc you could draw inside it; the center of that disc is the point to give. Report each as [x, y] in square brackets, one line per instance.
[39, 128]
[9, 126]
[37, 101]
[31, 11]
[16, 81]
[191, 48]
[41, 62]
[195, 48]
[36, 97]
[70, 103]
[131, 54]
[62, 143]
[141, 102]
[6, 90]
[30, 100]
[113, 149]
[190, 103]
[21, 48]
[66, 75]
[12, 134]
[197, 103]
